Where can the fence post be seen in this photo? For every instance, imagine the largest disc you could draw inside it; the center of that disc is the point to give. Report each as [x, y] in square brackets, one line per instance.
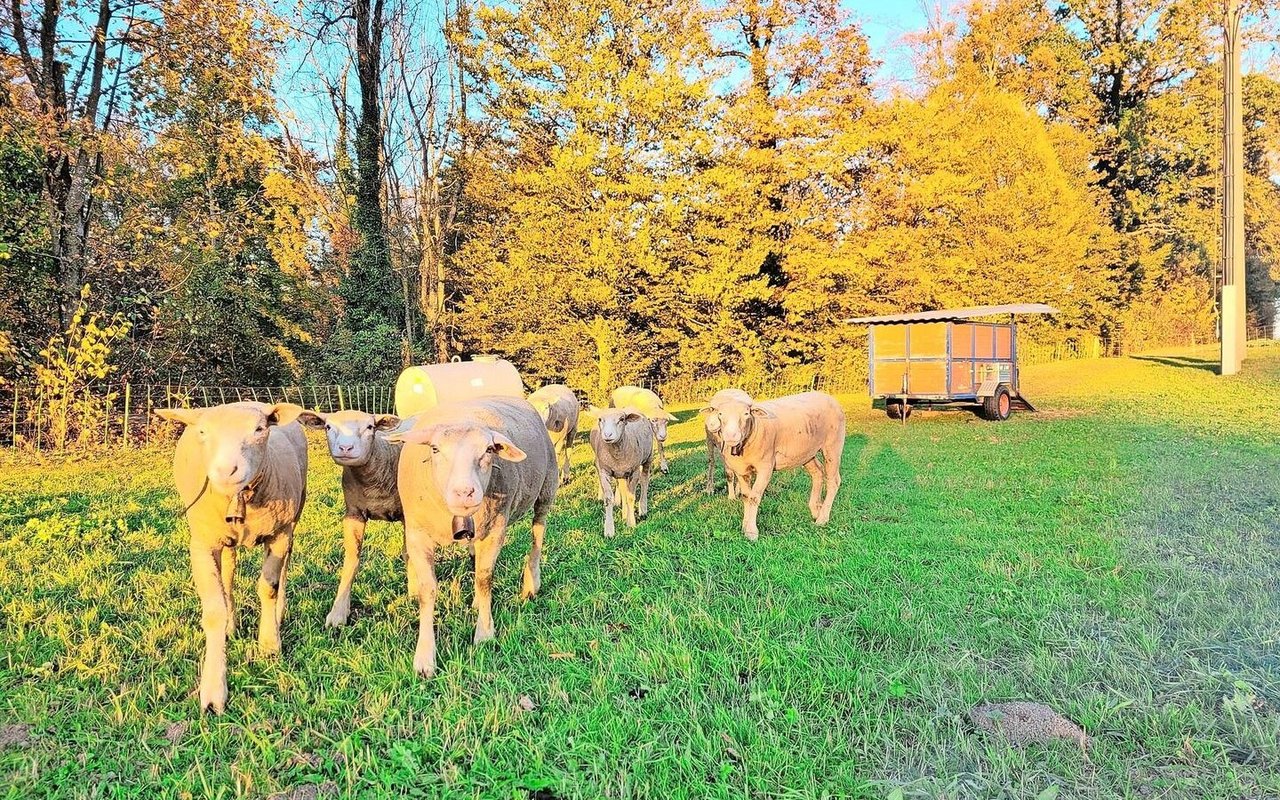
[106, 420]
[124, 431]
[15, 415]
[342, 403]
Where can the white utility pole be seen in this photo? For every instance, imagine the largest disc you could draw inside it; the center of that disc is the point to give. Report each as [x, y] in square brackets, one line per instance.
[1233, 269]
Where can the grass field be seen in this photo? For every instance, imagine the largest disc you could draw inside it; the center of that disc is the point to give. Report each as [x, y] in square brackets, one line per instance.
[1116, 556]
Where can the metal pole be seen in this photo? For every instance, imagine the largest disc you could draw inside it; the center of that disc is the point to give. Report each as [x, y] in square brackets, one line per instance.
[1233, 264]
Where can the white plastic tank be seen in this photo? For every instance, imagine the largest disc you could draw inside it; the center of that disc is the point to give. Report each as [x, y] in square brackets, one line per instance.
[425, 387]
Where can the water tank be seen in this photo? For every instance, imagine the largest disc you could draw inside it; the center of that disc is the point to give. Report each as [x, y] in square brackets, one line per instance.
[430, 385]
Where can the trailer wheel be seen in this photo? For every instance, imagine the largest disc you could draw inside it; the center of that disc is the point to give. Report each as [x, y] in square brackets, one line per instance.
[897, 409]
[998, 406]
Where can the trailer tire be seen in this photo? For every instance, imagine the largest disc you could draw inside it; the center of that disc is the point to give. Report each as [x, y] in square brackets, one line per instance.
[897, 409]
[998, 406]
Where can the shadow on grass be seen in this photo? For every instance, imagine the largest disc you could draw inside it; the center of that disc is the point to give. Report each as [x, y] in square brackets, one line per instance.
[1182, 361]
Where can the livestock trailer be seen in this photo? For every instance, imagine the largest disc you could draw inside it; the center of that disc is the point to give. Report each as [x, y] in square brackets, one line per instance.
[946, 358]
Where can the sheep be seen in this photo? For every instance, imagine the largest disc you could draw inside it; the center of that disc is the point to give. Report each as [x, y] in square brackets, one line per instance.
[712, 422]
[649, 404]
[760, 438]
[241, 471]
[358, 443]
[467, 471]
[622, 439]
[558, 407]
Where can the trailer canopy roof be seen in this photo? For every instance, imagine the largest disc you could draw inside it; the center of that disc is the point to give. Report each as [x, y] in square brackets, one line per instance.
[952, 314]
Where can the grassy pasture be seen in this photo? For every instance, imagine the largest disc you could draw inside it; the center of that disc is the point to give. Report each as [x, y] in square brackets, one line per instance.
[1116, 556]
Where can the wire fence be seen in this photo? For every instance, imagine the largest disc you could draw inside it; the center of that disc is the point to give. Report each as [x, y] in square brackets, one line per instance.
[123, 414]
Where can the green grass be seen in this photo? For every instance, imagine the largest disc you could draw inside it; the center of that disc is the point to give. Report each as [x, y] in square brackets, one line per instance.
[1116, 557]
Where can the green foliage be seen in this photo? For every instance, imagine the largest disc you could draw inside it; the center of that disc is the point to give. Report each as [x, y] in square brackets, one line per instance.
[70, 376]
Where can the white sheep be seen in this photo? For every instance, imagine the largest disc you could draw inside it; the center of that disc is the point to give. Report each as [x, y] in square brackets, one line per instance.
[558, 407]
[467, 471]
[759, 438]
[358, 443]
[650, 405]
[622, 439]
[241, 471]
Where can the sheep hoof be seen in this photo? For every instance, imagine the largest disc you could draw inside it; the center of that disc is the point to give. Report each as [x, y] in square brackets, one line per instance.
[213, 697]
[752, 535]
[268, 648]
[335, 619]
[484, 636]
[425, 669]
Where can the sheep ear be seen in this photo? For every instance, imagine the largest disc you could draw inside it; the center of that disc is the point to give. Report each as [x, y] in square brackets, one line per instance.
[506, 449]
[670, 417]
[633, 416]
[707, 410]
[594, 411]
[284, 413]
[385, 422]
[312, 419]
[183, 416]
[762, 413]
[414, 436]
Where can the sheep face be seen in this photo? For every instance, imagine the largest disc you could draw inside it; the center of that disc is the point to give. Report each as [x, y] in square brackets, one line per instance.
[612, 421]
[350, 433]
[232, 438]
[660, 421]
[732, 421]
[461, 459]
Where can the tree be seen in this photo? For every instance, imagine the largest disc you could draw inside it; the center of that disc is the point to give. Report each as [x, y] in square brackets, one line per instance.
[75, 58]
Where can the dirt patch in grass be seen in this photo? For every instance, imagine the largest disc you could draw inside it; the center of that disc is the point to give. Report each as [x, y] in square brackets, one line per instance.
[14, 735]
[307, 791]
[1023, 723]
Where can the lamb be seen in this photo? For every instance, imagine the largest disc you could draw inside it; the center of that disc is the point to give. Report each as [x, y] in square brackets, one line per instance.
[622, 439]
[358, 444]
[712, 423]
[759, 438]
[241, 471]
[467, 471]
[649, 404]
[558, 407]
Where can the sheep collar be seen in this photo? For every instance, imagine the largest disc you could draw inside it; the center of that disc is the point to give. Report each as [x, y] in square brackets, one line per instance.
[236, 508]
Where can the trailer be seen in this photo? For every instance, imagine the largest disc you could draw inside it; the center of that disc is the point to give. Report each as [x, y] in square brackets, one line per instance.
[945, 358]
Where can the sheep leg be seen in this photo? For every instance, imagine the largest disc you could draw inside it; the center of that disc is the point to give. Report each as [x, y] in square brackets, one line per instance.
[422, 555]
[732, 480]
[711, 466]
[566, 474]
[751, 501]
[831, 455]
[606, 495]
[487, 550]
[533, 564]
[645, 474]
[228, 583]
[275, 562]
[662, 458]
[815, 492]
[627, 491]
[353, 528]
[213, 619]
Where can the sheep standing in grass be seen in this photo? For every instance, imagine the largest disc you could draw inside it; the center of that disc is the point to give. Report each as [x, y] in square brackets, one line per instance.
[622, 439]
[712, 424]
[759, 438]
[650, 405]
[358, 443]
[241, 471]
[467, 471]
[558, 407]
